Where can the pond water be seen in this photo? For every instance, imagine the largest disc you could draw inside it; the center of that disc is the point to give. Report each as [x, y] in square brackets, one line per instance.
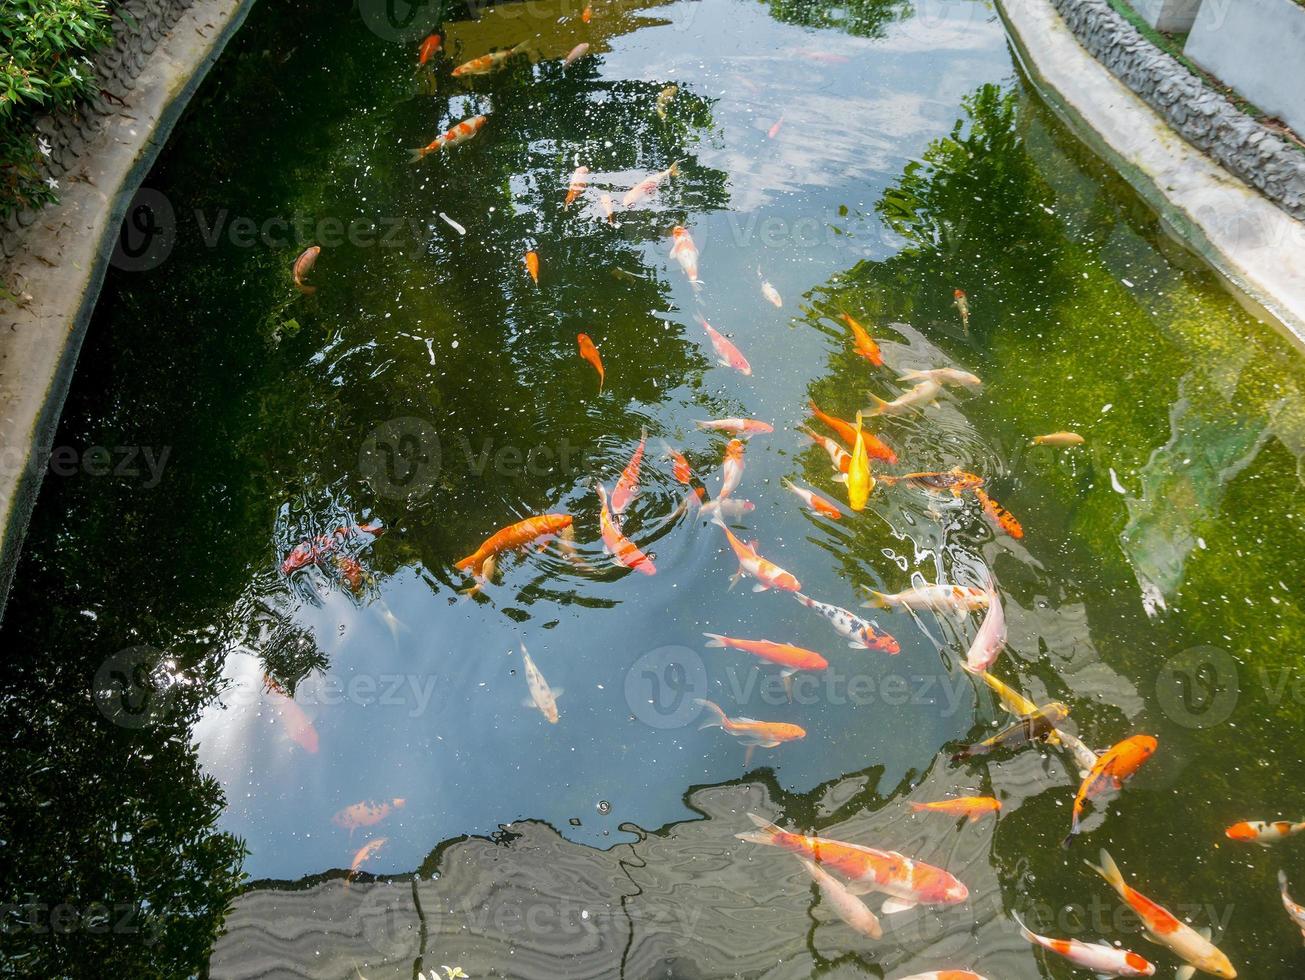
[186, 723]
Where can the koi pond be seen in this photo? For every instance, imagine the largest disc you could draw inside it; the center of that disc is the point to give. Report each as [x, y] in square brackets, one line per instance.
[262, 719]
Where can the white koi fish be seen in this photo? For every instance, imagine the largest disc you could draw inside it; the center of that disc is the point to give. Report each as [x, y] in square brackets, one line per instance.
[847, 906]
[925, 393]
[542, 696]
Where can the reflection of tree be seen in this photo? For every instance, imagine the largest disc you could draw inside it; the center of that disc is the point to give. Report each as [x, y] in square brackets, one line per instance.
[863, 18]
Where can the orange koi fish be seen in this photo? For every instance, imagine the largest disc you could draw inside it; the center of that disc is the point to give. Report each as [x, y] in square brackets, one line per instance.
[460, 133]
[840, 458]
[974, 808]
[683, 472]
[728, 355]
[351, 572]
[767, 573]
[627, 487]
[774, 130]
[999, 515]
[746, 428]
[579, 181]
[576, 53]
[731, 468]
[907, 883]
[1115, 765]
[860, 483]
[685, 252]
[590, 353]
[1264, 833]
[304, 265]
[296, 723]
[876, 447]
[790, 657]
[1102, 959]
[488, 63]
[532, 265]
[429, 48]
[366, 853]
[511, 537]
[749, 731]
[865, 345]
[649, 185]
[963, 306]
[813, 500]
[587, 14]
[1165, 928]
[617, 544]
[365, 814]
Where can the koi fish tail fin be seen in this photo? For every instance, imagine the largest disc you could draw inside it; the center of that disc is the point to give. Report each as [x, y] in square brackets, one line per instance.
[877, 408]
[518, 48]
[466, 564]
[755, 837]
[674, 169]
[417, 155]
[714, 639]
[1025, 933]
[1108, 870]
[764, 834]
[719, 721]
[877, 600]
[912, 376]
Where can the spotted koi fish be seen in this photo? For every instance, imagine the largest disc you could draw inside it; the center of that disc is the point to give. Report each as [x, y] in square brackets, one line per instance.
[861, 634]
[1264, 833]
[487, 64]
[460, 133]
[999, 515]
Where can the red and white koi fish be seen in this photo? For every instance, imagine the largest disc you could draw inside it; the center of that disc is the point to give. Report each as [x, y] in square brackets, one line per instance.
[813, 500]
[1114, 766]
[681, 469]
[791, 658]
[839, 458]
[963, 307]
[907, 883]
[365, 814]
[460, 133]
[731, 468]
[649, 185]
[429, 48]
[744, 428]
[1104, 960]
[365, 853]
[973, 808]
[749, 731]
[728, 355]
[1264, 833]
[950, 376]
[542, 696]
[627, 487]
[846, 906]
[487, 64]
[685, 253]
[865, 344]
[991, 638]
[771, 293]
[1166, 929]
[958, 599]
[617, 544]
[579, 181]
[767, 573]
[1296, 912]
[513, 536]
[576, 53]
[861, 634]
[925, 393]
[304, 265]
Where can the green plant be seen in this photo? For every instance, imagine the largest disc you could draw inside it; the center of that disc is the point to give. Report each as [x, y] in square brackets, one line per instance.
[44, 67]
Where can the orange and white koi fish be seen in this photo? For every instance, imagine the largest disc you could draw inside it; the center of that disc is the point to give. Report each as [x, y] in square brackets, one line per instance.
[576, 53]
[728, 355]
[664, 99]
[304, 265]
[1115, 765]
[617, 544]
[774, 130]
[954, 481]
[861, 634]
[1059, 440]
[771, 293]
[865, 345]
[999, 515]
[813, 500]
[731, 468]
[859, 481]
[846, 906]
[365, 814]
[876, 447]
[949, 376]
[627, 487]
[838, 457]
[1264, 833]
[963, 306]
[1166, 929]
[1296, 912]
[487, 64]
[991, 638]
[681, 469]
[297, 725]
[767, 573]
[729, 508]
[607, 206]
[579, 181]
[974, 808]
[685, 253]
[749, 731]
[590, 353]
[1102, 959]
[945, 975]
[786, 655]
[542, 696]
[649, 185]
[957, 599]
[460, 133]
[908, 883]
[532, 265]
[511, 537]
[744, 428]
[365, 853]
[925, 393]
[429, 48]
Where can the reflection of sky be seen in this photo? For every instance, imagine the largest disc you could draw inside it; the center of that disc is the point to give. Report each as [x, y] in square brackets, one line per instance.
[472, 757]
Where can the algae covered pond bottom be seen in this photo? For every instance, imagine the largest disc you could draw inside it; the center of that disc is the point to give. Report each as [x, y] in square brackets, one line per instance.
[244, 671]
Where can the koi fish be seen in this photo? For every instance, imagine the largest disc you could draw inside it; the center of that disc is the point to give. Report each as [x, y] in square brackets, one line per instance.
[1296, 912]
[945, 975]
[974, 808]
[1166, 929]
[991, 638]
[846, 906]
[1084, 757]
[590, 353]
[664, 99]
[949, 376]
[511, 537]
[532, 265]
[576, 53]
[865, 345]
[1038, 724]
[749, 731]
[1115, 765]
[311, 552]
[296, 723]
[963, 306]
[926, 392]
[814, 501]
[351, 572]
[304, 265]
[460, 133]
[999, 515]
[861, 634]
[365, 814]
[908, 883]
[767, 573]
[956, 481]
[790, 657]
[876, 447]
[587, 14]
[774, 130]
[649, 185]
[731, 468]
[627, 487]
[617, 544]
[745, 428]
[1059, 440]
[366, 853]
[542, 696]
[1264, 833]
[728, 355]
[685, 253]
[957, 599]
[728, 508]
[579, 181]
[453, 224]
[681, 469]
[487, 64]
[429, 48]
[771, 294]
[838, 457]
[859, 481]
[607, 206]
[1102, 959]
